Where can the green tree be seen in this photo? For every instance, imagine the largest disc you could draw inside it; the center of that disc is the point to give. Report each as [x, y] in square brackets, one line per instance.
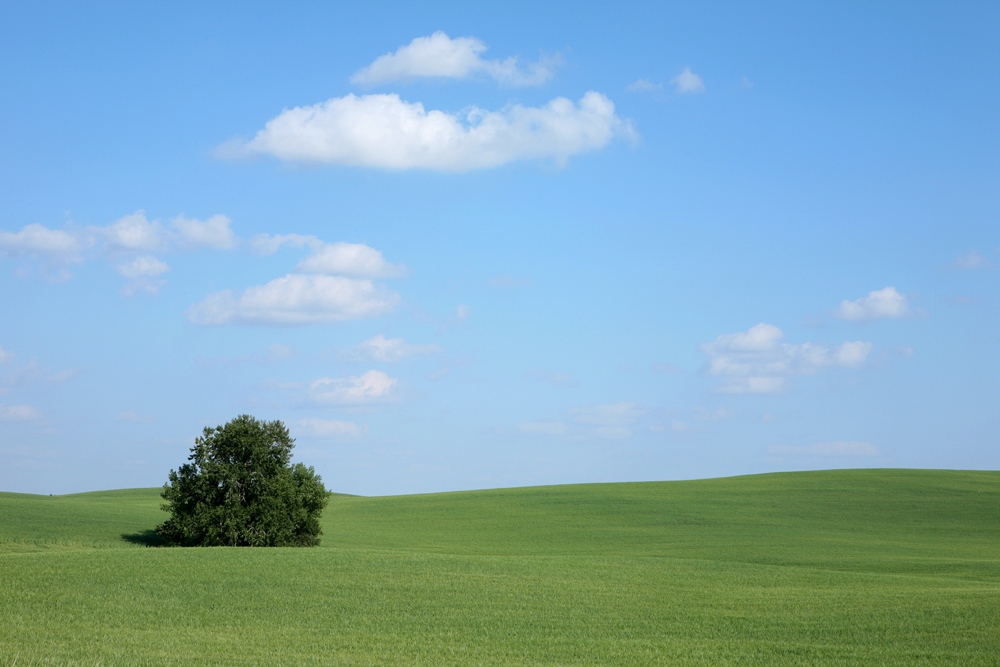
[239, 489]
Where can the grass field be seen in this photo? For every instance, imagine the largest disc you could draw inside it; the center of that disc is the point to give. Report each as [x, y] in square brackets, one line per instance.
[861, 567]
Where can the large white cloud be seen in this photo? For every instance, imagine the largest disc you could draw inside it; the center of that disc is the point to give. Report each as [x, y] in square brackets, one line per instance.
[757, 361]
[883, 304]
[212, 233]
[385, 131]
[296, 299]
[369, 387]
[386, 350]
[441, 56]
[36, 240]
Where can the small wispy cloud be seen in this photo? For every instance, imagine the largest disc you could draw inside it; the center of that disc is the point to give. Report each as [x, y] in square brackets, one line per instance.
[609, 414]
[356, 260]
[687, 82]
[758, 361]
[643, 86]
[883, 304]
[440, 56]
[971, 261]
[19, 413]
[143, 274]
[386, 350]
[369, 387]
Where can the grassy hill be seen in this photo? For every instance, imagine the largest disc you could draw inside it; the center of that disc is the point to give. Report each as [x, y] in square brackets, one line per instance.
[890, 567]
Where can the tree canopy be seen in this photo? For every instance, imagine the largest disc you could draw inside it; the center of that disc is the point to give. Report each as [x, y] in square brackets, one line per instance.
[239, 488]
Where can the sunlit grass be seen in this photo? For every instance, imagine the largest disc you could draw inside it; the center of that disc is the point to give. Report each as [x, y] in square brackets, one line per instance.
[830, 568]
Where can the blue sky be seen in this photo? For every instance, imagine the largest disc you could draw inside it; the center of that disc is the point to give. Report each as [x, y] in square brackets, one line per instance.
[458, 247]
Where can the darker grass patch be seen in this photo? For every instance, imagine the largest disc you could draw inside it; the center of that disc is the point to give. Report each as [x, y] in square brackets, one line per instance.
[147, 538]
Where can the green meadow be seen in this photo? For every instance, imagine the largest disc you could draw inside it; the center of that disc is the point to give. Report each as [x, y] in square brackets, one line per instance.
[859, 567]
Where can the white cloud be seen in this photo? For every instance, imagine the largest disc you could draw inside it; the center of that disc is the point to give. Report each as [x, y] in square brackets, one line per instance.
[144, 266]
[387, 350]
[746, 84]
[851, 354]
[29, 373]
[688, 82]
[369, 387]
[754, 385]
[296, 299]
[972, 261]
[757, 361]
[543, 428]
[643, 86]
[5, 356]
[440, 56]
[143, 273]
[350, 259]
[213, 233]
[133, 416]
[883, 304]
[132, 233]
[19, 413]
[853, 448]
[384, 131]
[38, 241]
[61, 376]
[608, 414]
[331, 428]
[265, 244]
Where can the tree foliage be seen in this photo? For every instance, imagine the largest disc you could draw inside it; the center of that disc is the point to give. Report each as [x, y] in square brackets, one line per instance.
[240, 489]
